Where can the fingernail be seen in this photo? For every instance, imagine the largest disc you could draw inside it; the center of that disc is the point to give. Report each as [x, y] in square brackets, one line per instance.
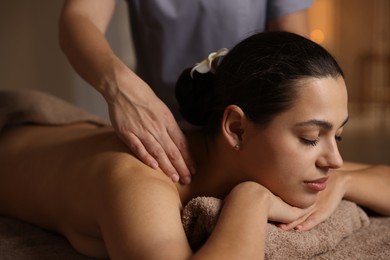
[192, 170]
[282, 226]
[175, 177]
[187, 180]
[153, 164]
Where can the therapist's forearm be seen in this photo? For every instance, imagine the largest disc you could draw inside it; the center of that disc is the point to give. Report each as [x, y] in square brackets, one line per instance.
[90, 54]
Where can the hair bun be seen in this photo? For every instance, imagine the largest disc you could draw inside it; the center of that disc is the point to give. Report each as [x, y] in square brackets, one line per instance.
[194, 96]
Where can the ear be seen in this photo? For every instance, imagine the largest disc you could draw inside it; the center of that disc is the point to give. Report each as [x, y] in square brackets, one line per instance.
[233, 125]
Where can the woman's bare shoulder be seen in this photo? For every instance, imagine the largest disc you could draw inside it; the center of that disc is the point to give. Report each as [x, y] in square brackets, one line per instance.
[139, 215]
[88, 177]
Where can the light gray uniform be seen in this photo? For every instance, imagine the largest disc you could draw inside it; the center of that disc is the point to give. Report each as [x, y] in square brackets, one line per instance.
[170, 35]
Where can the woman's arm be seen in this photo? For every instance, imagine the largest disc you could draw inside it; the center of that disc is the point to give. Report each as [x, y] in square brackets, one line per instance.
[241, 228]
[368, 185]
[139, 117]
[143, 221]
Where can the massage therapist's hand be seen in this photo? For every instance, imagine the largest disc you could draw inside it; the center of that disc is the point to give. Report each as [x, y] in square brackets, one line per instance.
[326, 203]
[149, 129]
[140, 119]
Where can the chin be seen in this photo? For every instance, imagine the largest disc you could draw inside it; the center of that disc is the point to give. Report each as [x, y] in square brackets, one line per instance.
[302, 202]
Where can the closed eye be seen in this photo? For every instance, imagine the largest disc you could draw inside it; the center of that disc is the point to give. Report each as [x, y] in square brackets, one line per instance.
[309, 142]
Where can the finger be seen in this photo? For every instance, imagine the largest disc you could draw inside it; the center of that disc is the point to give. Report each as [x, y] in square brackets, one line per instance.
[300, 216]
[155, 149]
[310, 222]
[181, 143]
[139, 150]
[176, 159]
[174, 144]
[292, 225]
[173, 157]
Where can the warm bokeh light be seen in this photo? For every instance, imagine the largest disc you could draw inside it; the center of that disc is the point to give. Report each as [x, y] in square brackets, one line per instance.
[317, 36]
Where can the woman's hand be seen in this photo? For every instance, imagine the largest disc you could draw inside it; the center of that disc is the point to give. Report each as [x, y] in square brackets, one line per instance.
[281, 212]
[326, 203]
[277, 210]
[366, 185]
[149, 129]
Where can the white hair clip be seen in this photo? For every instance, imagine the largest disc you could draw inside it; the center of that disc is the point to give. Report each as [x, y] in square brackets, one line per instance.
[209, 64]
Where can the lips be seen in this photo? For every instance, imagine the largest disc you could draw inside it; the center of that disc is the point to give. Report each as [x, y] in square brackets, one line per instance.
[317, 185]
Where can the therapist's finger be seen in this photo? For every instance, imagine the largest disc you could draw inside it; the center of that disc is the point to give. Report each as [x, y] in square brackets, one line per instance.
[185, 165]
[155, 148]
[169, 157]
[150, 152]
[139, 150]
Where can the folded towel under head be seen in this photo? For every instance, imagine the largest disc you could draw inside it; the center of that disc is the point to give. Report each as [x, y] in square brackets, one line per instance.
[200, 216]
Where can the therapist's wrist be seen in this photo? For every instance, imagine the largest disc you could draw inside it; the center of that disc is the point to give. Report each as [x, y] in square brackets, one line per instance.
[113, 79]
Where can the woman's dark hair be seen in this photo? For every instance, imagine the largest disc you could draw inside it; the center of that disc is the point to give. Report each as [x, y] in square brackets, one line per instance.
[260, 75]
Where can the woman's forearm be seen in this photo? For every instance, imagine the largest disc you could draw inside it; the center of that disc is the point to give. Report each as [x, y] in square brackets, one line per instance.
[368, 186]
[240, 230]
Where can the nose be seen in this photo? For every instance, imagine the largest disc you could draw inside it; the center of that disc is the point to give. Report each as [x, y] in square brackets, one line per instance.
[331, 157]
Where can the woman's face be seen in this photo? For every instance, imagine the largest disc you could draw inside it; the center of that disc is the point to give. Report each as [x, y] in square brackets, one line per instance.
[297, 150]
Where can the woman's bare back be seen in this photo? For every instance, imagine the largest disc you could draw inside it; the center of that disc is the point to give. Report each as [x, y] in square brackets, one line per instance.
[53, 177]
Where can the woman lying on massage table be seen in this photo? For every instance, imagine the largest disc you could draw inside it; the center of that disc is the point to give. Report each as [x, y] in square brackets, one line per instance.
[271, 113]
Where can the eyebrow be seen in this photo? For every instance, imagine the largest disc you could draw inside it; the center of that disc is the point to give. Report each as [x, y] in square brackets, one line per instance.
[320, 123]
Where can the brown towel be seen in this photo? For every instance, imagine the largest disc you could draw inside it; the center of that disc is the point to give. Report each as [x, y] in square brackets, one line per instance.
[22, 241]
[34, 107]
[200, 215]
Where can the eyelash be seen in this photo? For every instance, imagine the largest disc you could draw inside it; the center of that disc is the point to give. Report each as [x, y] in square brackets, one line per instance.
[309, 142]
[315, 142]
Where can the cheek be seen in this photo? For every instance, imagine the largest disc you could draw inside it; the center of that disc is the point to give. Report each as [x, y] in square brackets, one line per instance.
[270, 162]
[281, 166]
[285, 156]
